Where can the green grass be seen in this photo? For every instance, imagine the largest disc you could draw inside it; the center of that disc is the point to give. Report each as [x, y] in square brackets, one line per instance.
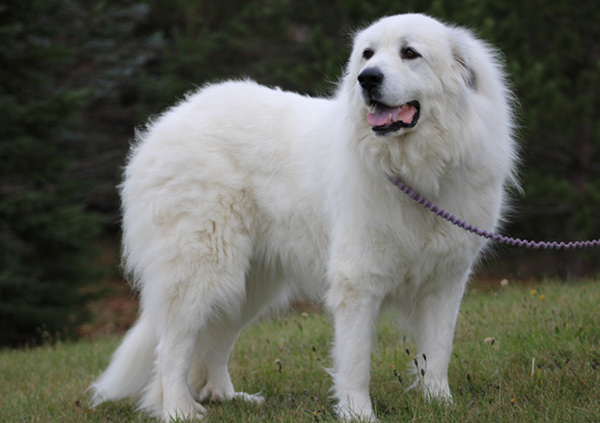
[543, 366]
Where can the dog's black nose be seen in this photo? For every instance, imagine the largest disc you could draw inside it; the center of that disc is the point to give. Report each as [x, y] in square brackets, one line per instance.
[370, 78]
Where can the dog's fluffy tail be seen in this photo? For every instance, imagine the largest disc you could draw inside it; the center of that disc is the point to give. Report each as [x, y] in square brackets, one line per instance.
[130, 368]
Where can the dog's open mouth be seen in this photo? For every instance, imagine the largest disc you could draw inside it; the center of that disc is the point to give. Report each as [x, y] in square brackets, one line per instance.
[385, 119]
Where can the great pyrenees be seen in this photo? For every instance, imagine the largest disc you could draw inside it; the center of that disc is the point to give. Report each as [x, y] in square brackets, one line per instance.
[242, 198]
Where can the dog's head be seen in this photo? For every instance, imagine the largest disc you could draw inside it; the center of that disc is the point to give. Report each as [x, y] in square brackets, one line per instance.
[427, 97]
[404, 67]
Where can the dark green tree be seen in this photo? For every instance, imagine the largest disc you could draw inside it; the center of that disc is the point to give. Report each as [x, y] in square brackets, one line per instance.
[46, 233]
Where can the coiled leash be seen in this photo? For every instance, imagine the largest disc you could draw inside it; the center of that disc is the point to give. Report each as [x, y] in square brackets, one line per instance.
[485, 234]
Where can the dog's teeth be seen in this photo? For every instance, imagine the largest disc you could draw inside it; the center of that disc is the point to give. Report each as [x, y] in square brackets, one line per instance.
[389, 119]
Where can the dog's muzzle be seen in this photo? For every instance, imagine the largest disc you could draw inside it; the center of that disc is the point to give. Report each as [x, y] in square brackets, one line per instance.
[385, 119]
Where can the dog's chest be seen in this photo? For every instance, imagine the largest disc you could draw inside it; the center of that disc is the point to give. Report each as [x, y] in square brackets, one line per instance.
[407, 245]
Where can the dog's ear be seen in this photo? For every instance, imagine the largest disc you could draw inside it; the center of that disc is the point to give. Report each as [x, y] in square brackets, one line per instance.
[460, 43]
[467, 72]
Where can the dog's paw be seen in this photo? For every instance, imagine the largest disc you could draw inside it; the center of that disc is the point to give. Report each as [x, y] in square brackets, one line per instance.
[438, 392]
[251, 398]
[349, 415]
[192, 411]
[219, 393]
[216, 393]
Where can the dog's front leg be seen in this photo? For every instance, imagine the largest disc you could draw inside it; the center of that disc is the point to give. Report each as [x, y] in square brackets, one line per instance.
[355, 315]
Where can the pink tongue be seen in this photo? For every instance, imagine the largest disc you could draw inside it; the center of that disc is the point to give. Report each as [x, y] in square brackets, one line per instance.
[384, 115]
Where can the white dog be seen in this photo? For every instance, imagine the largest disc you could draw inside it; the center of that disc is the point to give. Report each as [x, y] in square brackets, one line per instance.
[241, 198]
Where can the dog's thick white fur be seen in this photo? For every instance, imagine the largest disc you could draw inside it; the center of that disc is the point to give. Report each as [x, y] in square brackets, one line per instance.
[242, 198]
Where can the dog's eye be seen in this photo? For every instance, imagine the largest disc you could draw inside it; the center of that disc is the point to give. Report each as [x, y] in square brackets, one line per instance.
[409, 53]
[368, 53]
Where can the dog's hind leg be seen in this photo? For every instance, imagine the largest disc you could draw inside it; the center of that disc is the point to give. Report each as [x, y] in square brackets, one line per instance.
[172, 363]
[209, 375]
[180, 320]
[196, 278]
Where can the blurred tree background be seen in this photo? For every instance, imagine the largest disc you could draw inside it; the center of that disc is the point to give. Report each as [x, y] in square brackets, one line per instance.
[76, 78]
